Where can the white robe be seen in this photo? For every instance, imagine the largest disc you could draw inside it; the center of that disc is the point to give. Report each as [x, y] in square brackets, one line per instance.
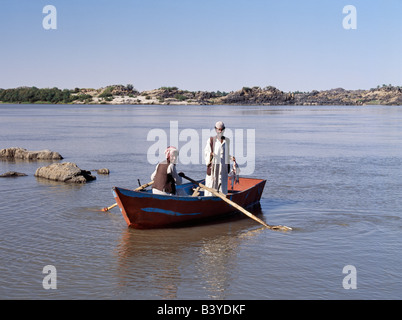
[220, 162]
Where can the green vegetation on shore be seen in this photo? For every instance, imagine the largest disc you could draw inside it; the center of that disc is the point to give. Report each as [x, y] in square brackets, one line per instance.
[35, 95]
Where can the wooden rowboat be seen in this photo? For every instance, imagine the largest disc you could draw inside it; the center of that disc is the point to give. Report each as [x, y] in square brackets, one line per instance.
[145, 210]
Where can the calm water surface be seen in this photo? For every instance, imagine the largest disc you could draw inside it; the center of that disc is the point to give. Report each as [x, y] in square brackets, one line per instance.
[334, 174]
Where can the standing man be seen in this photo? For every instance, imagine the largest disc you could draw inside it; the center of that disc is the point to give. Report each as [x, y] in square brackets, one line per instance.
[217, 158]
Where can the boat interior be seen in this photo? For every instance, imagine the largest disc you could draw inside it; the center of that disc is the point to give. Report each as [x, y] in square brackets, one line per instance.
[192, 189]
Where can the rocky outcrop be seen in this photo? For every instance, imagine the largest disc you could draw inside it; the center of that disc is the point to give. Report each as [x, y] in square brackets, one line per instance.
[20, 153]
[386, 95]
[12, 174]
[65, 172]
[174, 95]
[257, 96]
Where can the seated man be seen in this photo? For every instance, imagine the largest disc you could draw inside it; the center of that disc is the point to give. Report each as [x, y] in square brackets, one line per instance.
[165, 176]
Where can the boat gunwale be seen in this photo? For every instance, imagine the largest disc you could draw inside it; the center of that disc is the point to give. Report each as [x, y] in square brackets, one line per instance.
[149, 194]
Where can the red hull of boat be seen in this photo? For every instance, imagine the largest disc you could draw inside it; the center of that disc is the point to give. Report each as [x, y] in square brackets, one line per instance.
[144, 210]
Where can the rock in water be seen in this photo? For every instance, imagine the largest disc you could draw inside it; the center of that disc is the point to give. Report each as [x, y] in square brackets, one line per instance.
[103, 171]
[12, 174]
[65, 172]
[20, 153]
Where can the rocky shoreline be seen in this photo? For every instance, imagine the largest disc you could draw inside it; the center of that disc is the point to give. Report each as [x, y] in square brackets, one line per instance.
[120, 94]
[273, 96]
[385, 95]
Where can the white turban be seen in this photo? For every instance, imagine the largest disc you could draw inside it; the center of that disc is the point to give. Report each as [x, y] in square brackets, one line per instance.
[220, 125]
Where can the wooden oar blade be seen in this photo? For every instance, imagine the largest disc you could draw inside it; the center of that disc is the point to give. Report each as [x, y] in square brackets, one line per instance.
[108, 208]
[281, 228]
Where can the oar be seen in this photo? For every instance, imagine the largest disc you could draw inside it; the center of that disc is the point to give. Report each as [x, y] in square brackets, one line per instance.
[138, 189]
[233, 204]
[196, 192]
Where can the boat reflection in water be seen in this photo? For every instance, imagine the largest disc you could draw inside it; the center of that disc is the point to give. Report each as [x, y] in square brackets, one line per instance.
[167, 263]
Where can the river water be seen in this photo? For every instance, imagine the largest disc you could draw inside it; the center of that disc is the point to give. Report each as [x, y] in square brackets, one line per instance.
[334, 174]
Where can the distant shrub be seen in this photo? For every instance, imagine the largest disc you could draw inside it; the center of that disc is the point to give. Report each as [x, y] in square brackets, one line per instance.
[169, 89]
[107, 92]
[180, 97]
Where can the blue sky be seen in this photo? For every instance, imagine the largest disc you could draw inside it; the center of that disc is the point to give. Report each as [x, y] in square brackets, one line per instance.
[201, 45]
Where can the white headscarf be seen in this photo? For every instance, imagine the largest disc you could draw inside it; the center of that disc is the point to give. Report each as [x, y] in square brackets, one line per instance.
[220, 125]
[171, 151]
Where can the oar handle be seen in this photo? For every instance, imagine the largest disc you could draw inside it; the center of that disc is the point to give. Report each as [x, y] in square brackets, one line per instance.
[144, 186]
[138, 189]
